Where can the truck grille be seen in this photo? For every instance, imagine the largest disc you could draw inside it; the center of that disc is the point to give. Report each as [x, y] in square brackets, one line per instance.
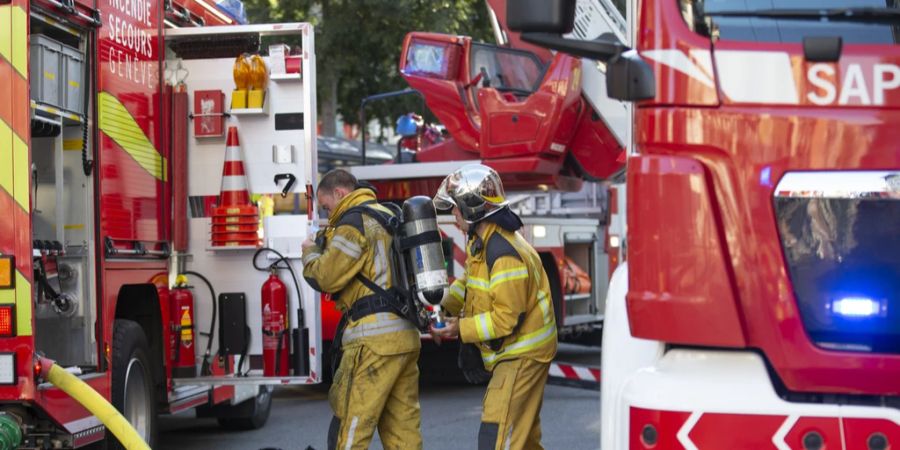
[840, 232]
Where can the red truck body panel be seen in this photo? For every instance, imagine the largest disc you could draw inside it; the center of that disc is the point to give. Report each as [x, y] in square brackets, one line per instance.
[710, 175]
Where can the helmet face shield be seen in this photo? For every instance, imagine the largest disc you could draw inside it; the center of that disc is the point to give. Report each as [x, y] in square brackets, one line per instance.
[475, 189]
[442, 199]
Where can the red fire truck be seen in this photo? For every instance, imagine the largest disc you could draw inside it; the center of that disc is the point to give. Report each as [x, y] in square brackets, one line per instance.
[758, 307]
[526, 113]
[104, 105]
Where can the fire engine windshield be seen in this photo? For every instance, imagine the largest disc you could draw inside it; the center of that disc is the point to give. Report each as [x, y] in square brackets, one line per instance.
[506, 69]
[855, 21]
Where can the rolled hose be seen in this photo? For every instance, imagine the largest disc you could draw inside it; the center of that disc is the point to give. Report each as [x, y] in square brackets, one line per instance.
[94, 403]
[10, 431]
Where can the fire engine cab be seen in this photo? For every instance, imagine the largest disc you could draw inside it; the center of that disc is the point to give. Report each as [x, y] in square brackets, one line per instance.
[758, 307]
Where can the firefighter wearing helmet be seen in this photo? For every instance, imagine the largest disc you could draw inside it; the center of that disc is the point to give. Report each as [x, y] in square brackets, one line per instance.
[376, 383]
[502, 307]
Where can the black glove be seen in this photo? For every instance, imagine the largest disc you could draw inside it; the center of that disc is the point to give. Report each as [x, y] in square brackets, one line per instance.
[470, 363]
[320, 239]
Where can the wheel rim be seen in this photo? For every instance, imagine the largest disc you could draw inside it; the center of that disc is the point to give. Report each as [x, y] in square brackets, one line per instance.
[137, 403]
[263, 397]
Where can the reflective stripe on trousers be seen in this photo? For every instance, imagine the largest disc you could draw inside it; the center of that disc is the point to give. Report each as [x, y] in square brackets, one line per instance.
[384, 323]
[523, 344]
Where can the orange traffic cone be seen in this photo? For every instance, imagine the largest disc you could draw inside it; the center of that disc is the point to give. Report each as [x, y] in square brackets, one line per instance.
[234, 179]
[235, 221]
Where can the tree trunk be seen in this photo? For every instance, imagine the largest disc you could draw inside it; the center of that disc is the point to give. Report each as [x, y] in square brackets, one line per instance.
[329, 107]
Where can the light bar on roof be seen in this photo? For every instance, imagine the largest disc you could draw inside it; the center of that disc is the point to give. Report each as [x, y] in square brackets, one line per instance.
[215, 11]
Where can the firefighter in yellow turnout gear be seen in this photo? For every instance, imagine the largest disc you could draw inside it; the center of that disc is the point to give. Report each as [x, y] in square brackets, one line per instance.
[503, 306]
[376, 384]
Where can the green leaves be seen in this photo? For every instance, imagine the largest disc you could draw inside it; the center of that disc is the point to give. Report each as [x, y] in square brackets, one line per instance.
[358, 44]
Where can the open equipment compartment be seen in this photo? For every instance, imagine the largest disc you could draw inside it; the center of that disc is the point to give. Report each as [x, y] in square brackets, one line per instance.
[276, 140]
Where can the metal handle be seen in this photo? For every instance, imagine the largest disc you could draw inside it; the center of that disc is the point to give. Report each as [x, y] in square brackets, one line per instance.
[291, 180]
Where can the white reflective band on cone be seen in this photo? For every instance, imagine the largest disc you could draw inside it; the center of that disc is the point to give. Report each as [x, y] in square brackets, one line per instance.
[234, 183]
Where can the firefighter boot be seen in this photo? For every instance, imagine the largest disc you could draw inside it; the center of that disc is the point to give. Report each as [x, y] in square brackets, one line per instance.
[512, 406]
[375, 391]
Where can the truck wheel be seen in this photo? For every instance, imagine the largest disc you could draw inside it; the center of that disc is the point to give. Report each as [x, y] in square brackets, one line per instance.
[251, 414]
[132, 382]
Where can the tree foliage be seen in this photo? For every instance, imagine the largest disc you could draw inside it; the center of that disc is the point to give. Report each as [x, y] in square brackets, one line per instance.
[358, 44]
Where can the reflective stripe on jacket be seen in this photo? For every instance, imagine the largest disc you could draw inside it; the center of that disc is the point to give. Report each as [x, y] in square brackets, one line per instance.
[356, 243]
[507, 308]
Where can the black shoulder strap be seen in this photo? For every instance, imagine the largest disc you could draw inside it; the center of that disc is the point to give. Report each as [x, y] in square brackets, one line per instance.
[498, 247]
[388, 222]
[352, 218]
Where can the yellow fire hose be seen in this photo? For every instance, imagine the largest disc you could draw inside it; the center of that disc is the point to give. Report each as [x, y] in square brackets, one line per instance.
[93, 402]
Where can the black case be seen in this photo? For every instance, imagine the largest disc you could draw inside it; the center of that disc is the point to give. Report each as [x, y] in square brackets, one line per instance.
[233, 331]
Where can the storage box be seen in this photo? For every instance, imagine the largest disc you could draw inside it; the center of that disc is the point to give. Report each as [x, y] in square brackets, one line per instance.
[293, 64]
[208, 118]
[72, 80]
[44, 74]
[238, 99]
[277, 53]
[255, 99]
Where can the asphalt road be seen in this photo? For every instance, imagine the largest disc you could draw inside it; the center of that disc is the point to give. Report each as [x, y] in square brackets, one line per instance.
[450, 417]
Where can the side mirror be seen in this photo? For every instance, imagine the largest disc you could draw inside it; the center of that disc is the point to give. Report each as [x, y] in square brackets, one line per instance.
[629, 78]
[432, 56]
[541, 16]
[604, 48]
[543, 22]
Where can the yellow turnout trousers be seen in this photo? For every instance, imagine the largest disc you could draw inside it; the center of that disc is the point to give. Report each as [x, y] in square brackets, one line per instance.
[512, 406]
[375, 391]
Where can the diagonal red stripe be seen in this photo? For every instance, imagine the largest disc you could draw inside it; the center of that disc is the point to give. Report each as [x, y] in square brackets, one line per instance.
[15, 234]
[15, 112]
[569, 372]
[23, 242]
[459, 255]
[7, 226]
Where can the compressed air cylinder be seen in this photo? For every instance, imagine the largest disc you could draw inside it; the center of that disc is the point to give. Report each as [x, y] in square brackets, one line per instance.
[423, 251]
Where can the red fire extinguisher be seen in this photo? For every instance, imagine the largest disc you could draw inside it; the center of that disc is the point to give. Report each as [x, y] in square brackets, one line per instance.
[276, 351]
[181, 313]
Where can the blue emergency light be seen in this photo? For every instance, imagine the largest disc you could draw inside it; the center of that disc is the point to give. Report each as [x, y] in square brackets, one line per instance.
[859, 307]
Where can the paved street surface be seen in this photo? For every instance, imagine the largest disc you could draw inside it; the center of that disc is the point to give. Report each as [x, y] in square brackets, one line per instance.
[450, 418]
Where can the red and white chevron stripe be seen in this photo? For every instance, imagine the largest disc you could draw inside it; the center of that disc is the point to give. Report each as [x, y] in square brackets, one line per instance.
[577, 376]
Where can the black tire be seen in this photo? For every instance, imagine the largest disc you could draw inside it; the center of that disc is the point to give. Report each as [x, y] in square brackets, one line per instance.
[132, 378]
[251, 414]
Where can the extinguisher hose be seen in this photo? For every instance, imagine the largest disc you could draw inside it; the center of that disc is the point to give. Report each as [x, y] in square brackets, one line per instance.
[275, 265]
[278, 351]
[287, 265]
[204, 368]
